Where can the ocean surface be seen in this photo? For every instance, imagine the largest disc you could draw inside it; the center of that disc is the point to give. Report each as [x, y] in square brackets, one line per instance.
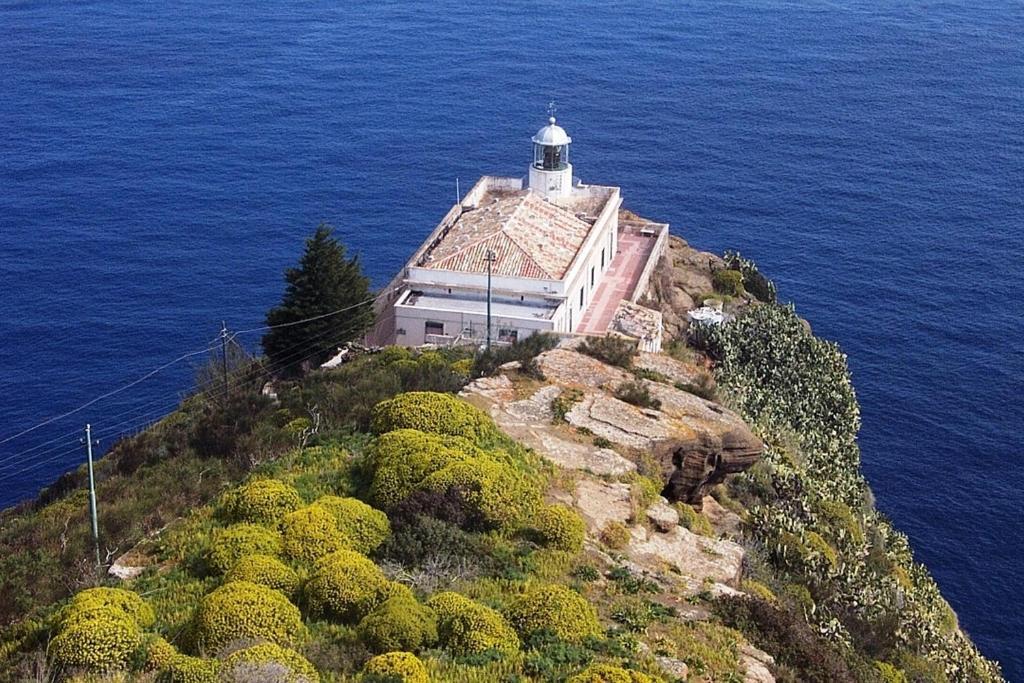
[161, 163]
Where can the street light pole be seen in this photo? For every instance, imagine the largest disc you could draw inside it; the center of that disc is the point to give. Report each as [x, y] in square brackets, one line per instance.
[491, 257]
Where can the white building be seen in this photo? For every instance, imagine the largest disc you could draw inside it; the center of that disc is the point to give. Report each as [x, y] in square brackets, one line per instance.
[542, 246]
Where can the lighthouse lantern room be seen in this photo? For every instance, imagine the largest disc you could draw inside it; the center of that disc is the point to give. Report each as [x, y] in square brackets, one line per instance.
[551, 172]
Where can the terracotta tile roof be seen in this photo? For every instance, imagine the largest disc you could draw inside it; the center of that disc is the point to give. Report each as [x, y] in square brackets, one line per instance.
[530, 237]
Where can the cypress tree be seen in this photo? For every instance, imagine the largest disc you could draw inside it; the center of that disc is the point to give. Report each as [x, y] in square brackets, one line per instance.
[324, 282]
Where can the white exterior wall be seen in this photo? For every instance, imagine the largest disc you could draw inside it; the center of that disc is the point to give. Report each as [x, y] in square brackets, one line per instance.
[410, 324]
[603, 236]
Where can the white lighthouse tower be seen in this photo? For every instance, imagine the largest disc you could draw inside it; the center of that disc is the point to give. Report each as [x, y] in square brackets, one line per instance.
[551, 172]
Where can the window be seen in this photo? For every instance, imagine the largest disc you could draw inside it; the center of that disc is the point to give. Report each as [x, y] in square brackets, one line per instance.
[602, 259]
[433, 328]
[581, 298]
[508, 335]
[591, 276]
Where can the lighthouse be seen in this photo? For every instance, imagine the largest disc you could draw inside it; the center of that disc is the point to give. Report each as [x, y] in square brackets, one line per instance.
[551, 172]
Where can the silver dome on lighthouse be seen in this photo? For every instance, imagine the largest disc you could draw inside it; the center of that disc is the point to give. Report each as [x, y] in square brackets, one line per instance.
[552, 135]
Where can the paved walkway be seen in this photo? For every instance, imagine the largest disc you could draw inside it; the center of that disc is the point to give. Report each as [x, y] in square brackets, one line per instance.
[618, 282]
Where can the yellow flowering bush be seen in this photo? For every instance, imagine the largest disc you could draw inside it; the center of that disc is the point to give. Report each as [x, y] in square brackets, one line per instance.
[433, 412]
[500, 496]
[347, 585]
[398, 623]
[402, 459]
[555, 608]
[127, 601]
[466, 627]
[186, 669]
[101, 638]
[363, 527]
[241, 609]
[265, 570]
[310, 533]
[159, 654]
[559, 528]
[395, 667]
[248, 663]
[607, 673]
[232, 543]
[264, 501]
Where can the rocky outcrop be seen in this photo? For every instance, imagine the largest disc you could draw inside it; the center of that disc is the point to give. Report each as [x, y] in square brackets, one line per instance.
[696, 442]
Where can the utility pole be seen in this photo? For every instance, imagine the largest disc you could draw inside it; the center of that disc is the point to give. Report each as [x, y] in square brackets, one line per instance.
[92, 493]
[224, 355]
[491, 257]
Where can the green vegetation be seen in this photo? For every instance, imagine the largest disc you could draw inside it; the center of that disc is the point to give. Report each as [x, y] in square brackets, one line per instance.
[728, 282]
[423, 550]
[811, 521]
[612, 350]
[638, 394]
[326, 284]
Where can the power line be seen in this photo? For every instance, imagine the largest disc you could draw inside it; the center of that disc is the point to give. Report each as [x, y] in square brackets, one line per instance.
[106, 395]
[267, 370]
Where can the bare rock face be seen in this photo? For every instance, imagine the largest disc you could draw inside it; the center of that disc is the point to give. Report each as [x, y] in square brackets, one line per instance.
[696, 442]
[684, 274]
[662, 516]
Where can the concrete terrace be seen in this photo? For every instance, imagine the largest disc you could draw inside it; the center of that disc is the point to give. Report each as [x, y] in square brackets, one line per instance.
[636, 244]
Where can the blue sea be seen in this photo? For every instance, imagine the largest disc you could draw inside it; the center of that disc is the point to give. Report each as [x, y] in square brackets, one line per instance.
[161, 163]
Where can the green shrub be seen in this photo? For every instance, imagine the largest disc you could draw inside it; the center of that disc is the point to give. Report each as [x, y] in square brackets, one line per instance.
[242, 609]
[758, 590]
[820, 547]
[186, 669]
[563, 403]
[269, 659]
[728, 282]
[363, 527]
[402, 459]
[159, 654]
[266, 571]
[432, 412]
[311, 533]
[890, 673]
[844, 527]
[524, 350]
[466, 627]
[753, 281]
[264, 501]
[498, 495]
[127, 601]
[638, 394]
[232, 543]
[101, 638]
[398, 623]
[711, 650]
[607, 673]
[347, 585]
[693, 520]
[395, 667]
[563, 612]
[615, 535]
[559, 527]
[612, 350]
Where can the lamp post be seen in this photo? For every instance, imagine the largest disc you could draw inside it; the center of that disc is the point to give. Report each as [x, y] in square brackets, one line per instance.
[490, 258]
